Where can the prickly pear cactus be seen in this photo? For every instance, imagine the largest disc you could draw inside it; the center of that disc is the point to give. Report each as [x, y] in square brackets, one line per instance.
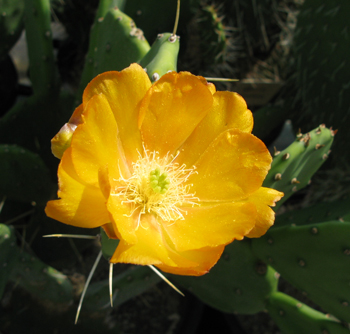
[115, 43]
[51, 287]
[8, 255]
[291, 169]
[315, 258]
[162, 57]
[318, 213]
[43, 73]
[25, 176]
[292, 316]
[239, 283]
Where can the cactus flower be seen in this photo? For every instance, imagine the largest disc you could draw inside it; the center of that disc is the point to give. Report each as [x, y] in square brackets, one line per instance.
[170, 169]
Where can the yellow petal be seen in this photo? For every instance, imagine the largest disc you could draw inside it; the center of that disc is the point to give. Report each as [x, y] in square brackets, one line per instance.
[211, 225]
[204, 259]
[123, 90]
[172, 109]
[124, 223]
[151, 248]
[263, 198]
[110, 231]
[79, 204]
[210, 85]
[95, 143]
[231, 168]
[229, 110]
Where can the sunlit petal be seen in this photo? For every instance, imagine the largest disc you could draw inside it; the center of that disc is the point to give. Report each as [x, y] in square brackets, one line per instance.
[263, 198]
[231, 168]
[212, 225]
[79, 204]
[172, 109]
[96, 142]
[124, 91]
[229, 111]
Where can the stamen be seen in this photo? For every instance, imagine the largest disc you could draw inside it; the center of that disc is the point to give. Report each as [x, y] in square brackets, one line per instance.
[157, 187]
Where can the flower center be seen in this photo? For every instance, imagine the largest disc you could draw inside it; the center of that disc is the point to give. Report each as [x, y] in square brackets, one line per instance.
[159, 182]
[157, 186]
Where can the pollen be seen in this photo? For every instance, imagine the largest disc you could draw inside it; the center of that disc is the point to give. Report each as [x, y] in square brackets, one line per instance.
[157, 186]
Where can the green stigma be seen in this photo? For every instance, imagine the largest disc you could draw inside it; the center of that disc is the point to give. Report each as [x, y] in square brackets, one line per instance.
[159, 182]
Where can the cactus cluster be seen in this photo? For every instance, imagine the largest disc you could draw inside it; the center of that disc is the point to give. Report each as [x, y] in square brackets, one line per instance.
[308, 247]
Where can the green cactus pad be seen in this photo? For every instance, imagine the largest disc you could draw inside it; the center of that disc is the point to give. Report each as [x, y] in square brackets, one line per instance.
[43, 70]
[8, 254]
[33, 122]
[292, 169]
[115, 43]
[44, 283]
[293, 317]
[339, 210]
[120, 43]
[315, 258]
[11, 24]
[162, 57]
[239, 282]
[24, 176]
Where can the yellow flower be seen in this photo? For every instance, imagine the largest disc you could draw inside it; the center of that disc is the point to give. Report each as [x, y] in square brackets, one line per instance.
[170, 169]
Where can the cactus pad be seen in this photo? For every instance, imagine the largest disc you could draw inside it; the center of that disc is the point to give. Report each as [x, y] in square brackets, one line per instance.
[115, 43]
[293, 317]
[162, 57]
[239, 282]
[292, 169]
[315, 258]
[24, 175]
[8, 254]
